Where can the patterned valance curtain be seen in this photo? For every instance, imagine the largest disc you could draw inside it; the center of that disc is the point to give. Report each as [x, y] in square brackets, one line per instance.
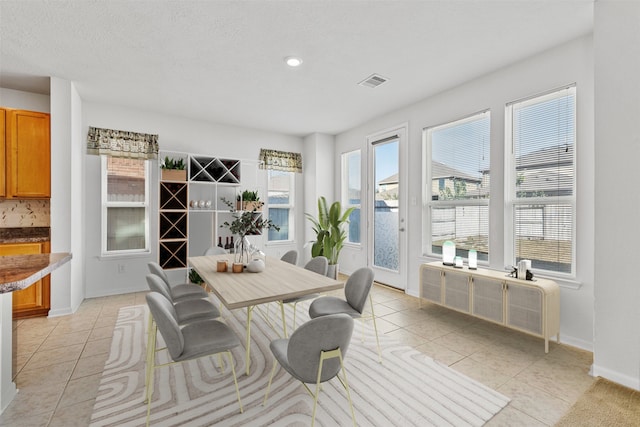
[281, 160]
[119, 143]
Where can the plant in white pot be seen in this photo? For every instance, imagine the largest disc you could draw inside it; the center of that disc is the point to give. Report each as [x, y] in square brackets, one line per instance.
[330, 233]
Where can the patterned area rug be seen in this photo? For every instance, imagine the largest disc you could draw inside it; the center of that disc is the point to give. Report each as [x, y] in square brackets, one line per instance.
[408, 388]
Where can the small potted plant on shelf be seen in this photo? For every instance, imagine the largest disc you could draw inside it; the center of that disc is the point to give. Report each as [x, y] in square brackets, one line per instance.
[249, 201]
[244, 224]
[173, 169]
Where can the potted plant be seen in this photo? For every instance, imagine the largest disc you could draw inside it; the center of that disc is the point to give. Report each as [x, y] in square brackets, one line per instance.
[245, 224]
[249, 201]
[330, 235]
[173, 169]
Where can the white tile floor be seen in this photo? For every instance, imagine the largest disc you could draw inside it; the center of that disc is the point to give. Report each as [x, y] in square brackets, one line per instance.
[60, 360]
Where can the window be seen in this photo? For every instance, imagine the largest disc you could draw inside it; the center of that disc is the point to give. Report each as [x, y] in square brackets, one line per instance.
[456, 186]
[540, 181]
[280, 194]
[351, 192]
[125, 202]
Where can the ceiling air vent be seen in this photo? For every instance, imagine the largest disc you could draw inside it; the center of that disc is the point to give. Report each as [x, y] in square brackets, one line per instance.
[374, 80]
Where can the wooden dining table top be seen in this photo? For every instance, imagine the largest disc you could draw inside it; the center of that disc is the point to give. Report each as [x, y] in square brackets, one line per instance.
[279, 281]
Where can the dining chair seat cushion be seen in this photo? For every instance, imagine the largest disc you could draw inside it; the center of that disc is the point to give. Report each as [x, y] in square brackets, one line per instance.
[187, 291]
[194, 310]
[156, 284]
[327, 305]
[206, 337]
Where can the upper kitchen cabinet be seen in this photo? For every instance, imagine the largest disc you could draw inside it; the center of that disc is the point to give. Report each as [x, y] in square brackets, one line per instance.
[27, 155]
[3, 147]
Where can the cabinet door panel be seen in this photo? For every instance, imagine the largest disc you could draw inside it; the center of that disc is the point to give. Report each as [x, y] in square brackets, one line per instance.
[488, 299]
[524, 308]
[33, 300]
[456, 291]
[29, 154]
[3, 167]
[431, 285]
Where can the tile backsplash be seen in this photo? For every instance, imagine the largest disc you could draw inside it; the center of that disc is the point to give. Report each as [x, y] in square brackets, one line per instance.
[24, 213]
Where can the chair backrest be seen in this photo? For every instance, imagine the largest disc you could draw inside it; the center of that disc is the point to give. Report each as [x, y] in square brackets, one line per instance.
[318, 265]
[357, 288]
[165, 317]
[215, 250]
[156, 284]
[291, 257]
[154, 268]
[323, 333]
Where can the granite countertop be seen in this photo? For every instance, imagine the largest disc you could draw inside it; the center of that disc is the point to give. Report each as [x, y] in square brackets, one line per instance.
[21, 271]
[25, 234]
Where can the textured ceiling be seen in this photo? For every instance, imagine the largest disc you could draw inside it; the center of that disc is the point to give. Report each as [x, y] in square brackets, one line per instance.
[222, 61]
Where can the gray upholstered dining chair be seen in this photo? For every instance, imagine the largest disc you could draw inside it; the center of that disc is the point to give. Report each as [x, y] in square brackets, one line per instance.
[187, 311]
[178, 292]
[356, 291]
[290, 256]
[318, 265]
[314, 354]
[215, 250]
[192, 341]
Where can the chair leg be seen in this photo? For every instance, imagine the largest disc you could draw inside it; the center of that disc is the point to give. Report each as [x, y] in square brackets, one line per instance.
[295, 309]
[151, 354]
[375, 328]
[346, 387]
[273, 371]
[149, 382]
[235, 379]
[284, 320]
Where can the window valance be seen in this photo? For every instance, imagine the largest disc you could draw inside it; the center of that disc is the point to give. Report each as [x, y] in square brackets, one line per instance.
[119, 143]
[281, 160]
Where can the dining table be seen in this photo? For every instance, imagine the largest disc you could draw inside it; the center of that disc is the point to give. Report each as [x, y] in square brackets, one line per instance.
[279, 281]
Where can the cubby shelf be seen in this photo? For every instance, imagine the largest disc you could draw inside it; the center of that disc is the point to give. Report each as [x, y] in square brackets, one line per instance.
[184, 230]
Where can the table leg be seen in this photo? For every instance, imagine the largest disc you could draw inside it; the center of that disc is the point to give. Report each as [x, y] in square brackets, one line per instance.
[247, 359]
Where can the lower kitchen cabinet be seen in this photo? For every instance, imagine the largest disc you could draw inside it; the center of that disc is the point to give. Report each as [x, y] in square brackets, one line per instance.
[35, 300]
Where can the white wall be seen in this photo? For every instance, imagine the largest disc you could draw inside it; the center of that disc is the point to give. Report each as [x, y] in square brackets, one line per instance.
[24, 100]
[319, 180]
[175, 134]
[61, 167]
[617, 132]
[569, 63]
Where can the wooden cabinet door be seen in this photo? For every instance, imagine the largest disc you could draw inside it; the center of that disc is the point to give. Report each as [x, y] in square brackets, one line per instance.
[28, 154]
[3, 147]
[34, 300]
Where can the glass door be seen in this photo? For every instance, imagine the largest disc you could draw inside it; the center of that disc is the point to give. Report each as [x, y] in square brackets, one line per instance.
[387, 231]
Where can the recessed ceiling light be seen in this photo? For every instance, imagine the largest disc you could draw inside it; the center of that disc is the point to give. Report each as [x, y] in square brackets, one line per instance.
[293, 61]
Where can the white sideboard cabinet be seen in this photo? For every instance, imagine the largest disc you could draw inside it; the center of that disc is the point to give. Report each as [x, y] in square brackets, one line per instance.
[528, 306]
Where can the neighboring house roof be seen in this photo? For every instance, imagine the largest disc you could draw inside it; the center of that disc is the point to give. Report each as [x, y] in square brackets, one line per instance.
[393, 179]
[440, 170]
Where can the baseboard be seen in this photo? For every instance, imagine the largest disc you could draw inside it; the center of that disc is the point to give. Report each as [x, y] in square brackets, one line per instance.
[61, 312]
[116, 291]
[616, 377]
[576, 342]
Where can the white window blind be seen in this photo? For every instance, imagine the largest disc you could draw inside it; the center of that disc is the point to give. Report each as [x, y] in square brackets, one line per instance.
[542, 184]
[457, 185]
